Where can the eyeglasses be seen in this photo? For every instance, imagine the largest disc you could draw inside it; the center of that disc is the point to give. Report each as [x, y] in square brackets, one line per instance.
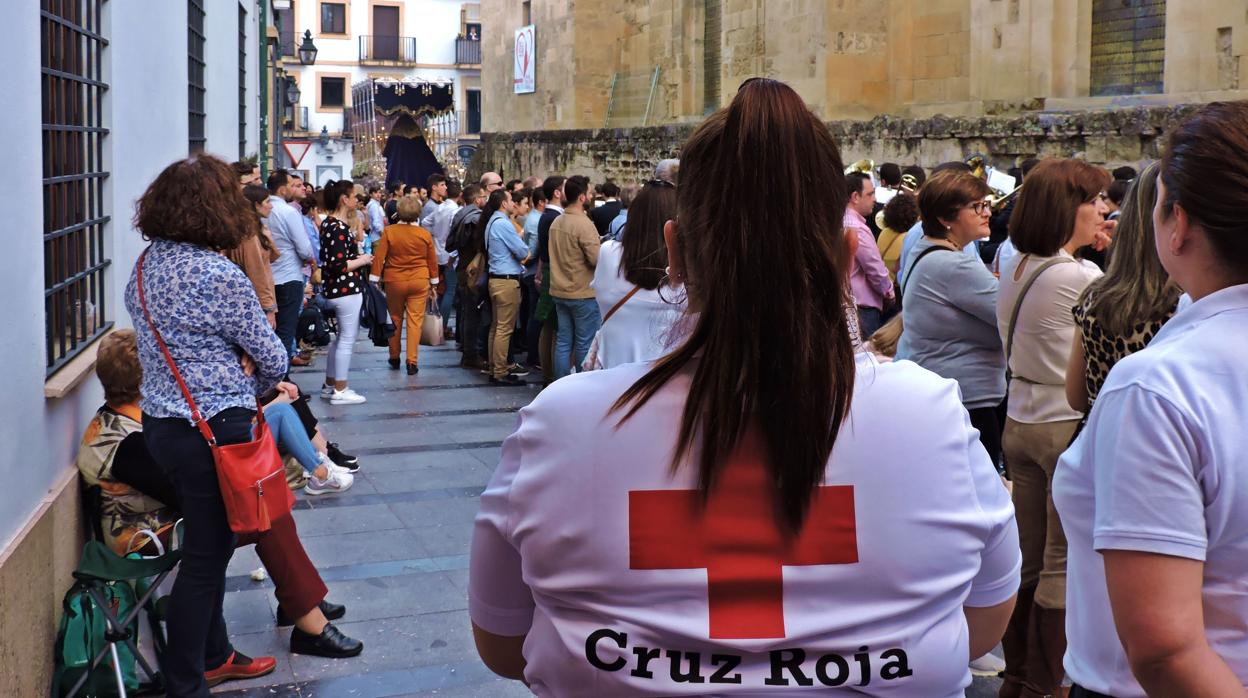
[979, 207]
[499, 183]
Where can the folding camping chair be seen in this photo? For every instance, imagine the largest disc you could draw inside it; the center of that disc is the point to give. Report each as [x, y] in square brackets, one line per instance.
[98, 567]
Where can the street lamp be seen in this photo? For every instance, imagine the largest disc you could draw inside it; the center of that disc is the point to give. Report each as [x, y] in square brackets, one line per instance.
[307, 49]
[324, 138]
[292, 91]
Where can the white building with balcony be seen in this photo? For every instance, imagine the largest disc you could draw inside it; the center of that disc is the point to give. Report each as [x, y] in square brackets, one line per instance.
[358, 40]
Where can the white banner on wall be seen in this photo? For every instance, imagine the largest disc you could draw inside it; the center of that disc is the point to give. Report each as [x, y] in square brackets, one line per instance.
[526, 61]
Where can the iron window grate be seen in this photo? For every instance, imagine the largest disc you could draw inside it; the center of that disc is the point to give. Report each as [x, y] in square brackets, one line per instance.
[196, 115]
[75, 214]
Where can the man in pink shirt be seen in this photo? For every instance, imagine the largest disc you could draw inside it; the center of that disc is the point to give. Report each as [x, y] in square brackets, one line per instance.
[872, 289]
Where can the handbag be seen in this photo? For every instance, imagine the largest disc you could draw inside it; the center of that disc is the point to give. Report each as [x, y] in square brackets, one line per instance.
[592, 362]
[251, 474]
[431, 330]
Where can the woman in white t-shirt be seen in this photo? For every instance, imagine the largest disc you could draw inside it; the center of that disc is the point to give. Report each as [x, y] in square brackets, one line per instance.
[1154, 493]
[1059, 210]
[734, 518]
[638, 315]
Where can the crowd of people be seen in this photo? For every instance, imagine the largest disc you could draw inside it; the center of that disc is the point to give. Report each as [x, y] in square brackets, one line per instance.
[820, 437]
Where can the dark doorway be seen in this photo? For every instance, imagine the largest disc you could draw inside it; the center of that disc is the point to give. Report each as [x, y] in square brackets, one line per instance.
[385, 32]
[474, 111]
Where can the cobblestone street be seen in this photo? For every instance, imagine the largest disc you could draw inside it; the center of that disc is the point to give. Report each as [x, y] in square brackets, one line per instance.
[394, 548]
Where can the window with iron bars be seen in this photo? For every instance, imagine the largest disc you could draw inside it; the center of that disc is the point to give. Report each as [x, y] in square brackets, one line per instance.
[242, 82]
[74, 210]
[196, 115]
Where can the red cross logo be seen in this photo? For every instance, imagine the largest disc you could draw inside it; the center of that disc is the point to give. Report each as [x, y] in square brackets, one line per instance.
[735, 537]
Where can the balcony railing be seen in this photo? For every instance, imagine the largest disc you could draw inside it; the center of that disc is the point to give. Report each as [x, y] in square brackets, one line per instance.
[295, 119]
[388, 50]
[468, 51]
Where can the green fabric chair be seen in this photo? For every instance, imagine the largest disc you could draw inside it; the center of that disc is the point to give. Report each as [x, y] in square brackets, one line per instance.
[100, 566]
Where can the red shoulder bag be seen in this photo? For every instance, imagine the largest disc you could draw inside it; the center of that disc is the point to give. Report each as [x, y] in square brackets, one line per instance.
[251, 474]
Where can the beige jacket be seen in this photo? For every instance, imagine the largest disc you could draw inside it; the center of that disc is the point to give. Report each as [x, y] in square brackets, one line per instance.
[573, 242]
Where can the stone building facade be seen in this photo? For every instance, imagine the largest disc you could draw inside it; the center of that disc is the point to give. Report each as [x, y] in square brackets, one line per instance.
[903, 80]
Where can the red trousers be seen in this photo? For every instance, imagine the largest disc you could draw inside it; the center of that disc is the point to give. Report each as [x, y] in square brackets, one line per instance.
[299, 587]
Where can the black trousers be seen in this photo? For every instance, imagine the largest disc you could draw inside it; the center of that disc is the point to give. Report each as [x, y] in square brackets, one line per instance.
[289, 304]
[1077, 691]
[988, 421]
[197, 634]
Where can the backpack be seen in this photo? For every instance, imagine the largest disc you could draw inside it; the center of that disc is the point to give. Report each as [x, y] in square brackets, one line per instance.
[81, 637]
[312, 328]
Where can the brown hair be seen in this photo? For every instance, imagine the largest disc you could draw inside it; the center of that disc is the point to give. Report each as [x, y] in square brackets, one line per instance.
[943, 196]
[196, 200]
[901, 213]
[885, 339]
[409, 209]
[1135, 287]
[1044, 216]
[1205, 169]
[770, 351]
[118, 368]
[644, 250]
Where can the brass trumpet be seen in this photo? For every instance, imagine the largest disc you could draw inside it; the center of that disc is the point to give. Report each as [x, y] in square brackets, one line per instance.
[864, 166]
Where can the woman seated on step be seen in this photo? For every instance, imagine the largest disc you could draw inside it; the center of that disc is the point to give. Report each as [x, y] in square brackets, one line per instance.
[136, 495]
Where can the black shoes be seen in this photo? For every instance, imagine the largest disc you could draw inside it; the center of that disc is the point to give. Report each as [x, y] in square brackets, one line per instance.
[412, 369]
[394, 364]
[332, 611]
[330, 643]
[508, 379]
[346, 460]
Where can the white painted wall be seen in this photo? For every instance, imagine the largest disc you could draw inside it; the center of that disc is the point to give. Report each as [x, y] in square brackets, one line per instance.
[221, 78]
[145, 108]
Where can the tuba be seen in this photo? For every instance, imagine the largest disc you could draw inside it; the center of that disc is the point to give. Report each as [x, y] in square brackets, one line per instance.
[865, 166]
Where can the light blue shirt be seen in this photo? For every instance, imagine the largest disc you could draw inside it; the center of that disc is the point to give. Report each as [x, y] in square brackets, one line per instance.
[530, 239]
[376, 220]
[291, 239]
[615, 229]
[505, 247]
[907, 246]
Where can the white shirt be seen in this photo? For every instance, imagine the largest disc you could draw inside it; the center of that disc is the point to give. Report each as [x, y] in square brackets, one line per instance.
[588, 543]
[440, 226]
[639, 330]
[1043, 335]
[1160, 469]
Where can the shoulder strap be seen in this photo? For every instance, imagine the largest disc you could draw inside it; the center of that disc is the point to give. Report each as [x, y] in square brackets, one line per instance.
[619, 304]
[1018, 305]
[915, 263]
[196, 417]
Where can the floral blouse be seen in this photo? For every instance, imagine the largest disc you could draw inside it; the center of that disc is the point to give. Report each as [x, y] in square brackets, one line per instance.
[338, 247]
[207, 311]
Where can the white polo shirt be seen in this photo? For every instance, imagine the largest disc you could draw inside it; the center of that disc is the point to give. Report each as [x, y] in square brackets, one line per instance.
[1160, 468]
[587, 543]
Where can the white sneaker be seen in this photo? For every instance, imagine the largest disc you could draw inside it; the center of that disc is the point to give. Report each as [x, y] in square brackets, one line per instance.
[987, 665]
[327, 391]
[346, 397]
[334, 467]
[336, 482]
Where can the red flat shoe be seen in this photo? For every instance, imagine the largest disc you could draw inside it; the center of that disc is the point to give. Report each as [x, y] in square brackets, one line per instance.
[240, 666]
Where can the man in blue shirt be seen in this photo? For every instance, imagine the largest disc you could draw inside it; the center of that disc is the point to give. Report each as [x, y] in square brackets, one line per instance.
[507, 254]
[376, 216]
[615, 229]
[294, 252]
[528, 284]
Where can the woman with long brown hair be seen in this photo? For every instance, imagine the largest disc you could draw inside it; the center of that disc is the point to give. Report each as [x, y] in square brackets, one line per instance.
[407, 261]
[637, 317]
[256, 254]
[725, 516]
[1152, 493]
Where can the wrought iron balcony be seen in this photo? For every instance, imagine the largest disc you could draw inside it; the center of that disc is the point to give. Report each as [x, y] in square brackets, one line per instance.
[387, 50]
[467, 51]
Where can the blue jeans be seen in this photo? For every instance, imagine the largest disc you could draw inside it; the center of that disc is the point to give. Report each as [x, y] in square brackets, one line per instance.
[579, 321]
[289, 297]
[869, 320]
[448, 294]
[290, 435]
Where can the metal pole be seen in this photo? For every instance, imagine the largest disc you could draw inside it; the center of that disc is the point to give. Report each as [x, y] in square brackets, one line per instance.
[264, 90]
[279, 113]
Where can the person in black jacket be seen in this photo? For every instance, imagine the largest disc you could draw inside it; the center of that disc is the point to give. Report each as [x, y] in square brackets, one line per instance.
[604, 213]
[467, 241]
[544, 315]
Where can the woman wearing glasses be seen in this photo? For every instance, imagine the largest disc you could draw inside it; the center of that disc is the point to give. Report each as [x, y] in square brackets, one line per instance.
[949, 301]
[1059, 211]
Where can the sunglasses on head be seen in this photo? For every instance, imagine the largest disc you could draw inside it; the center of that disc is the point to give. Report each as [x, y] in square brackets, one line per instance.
[660, 183]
